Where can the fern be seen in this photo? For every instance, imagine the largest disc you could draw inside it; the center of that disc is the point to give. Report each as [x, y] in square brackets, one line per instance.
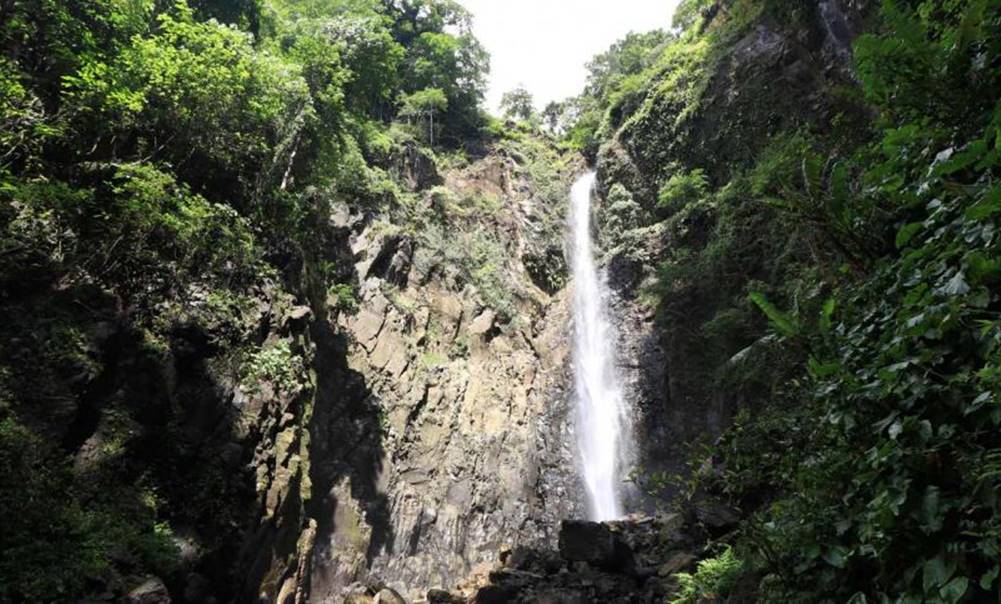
[713, 578]
[783, 323]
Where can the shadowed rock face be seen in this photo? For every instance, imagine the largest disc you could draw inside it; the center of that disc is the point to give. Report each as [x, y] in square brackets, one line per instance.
[774, 78]
[446, 434]
[225, 450]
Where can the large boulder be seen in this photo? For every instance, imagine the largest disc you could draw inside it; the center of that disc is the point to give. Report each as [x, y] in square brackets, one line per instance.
[150, 591]
[388, 596]
[717, 518]
[594, 543]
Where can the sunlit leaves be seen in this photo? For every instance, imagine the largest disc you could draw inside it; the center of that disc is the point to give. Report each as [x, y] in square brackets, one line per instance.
[782, 322]
[900, 481]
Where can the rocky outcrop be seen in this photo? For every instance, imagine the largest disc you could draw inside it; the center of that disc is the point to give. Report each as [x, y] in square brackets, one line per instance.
[196, 420]
[446, 433]
[778, 75]
[628, 561]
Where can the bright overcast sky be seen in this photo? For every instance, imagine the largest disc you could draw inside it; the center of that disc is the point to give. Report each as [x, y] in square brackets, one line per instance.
[544, 44]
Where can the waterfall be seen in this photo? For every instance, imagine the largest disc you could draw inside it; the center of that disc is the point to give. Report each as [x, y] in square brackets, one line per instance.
[598, 395]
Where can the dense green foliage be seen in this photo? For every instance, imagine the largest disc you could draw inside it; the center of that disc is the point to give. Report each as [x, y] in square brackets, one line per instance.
[839, 280]
[166, 168]
[714, 577]
[518, 104]
[896, 489]
[614, 78]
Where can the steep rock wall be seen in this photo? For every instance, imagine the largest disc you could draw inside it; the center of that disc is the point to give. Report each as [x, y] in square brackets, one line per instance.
[454, 392]
[759, 80]
[199, 422]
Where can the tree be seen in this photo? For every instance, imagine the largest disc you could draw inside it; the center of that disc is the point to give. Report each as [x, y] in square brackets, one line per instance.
[552, 115]
[518, 104]
[626, 57]
[424, 104]
[441, 53]
[690, 11]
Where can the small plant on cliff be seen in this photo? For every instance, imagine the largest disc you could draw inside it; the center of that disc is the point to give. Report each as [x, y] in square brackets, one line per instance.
[433, 360]
[275, 364]
[681, 189]
[344, 297]
[712, 581]
[424, 105]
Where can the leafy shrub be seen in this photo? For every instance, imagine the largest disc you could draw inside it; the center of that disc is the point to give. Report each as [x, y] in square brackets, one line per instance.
[276, 365]
[202, 81]
[57, 537]
[682, 189]
[712, 580]
[345, 297]
[890, 492]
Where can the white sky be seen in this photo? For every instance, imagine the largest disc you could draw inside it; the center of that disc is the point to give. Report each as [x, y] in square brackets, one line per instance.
[544, 44]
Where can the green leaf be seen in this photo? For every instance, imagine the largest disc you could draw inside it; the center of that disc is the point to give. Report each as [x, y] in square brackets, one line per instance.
[907, 232]
[981, 298]
[826, 313]
[955, 589]
[983, 269]
[990, 205]
[956, 286]
[978, 402]
[783, 323]
[925, 430]
[836, 557]
[936, 572]
[988, 579]
[950, 163]
[822, 370]
[930, 516]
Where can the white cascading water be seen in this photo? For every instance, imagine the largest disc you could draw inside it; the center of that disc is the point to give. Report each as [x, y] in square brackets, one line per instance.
[599, 400]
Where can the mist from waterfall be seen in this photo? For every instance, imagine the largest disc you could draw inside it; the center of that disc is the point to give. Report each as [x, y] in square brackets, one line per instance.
[598, 395]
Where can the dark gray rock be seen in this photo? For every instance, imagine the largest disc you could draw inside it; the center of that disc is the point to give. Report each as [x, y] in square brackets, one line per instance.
[440, 596]
[589, 564]
[594, 543]
[150, 591]
[716, 517]
[415, 167]
[678, 562]
[197, 589]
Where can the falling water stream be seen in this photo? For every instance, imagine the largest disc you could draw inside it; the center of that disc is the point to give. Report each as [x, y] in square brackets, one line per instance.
[599, 400]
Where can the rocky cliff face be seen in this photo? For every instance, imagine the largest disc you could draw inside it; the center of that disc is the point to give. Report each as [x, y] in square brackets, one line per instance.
[457, 358]
[202, 418]
[288, 439]
[446, 433]
[759, 80]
